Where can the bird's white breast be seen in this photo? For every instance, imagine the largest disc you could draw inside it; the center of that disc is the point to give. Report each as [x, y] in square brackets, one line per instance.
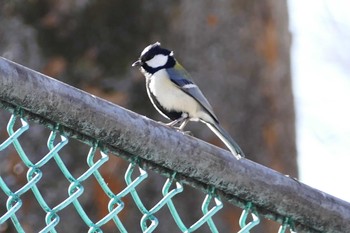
[172, 98]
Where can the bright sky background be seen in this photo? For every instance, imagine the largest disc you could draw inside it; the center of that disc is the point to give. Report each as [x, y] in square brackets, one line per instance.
[321, 82]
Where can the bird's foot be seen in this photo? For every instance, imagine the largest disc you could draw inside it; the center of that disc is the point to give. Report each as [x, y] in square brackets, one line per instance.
[184, 132]
[179, 129]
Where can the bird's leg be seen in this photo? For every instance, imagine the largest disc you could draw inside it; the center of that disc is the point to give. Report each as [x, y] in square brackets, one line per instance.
[183, 117]
[182, 126]
[175, 122]
[184, 123]
[183, 120]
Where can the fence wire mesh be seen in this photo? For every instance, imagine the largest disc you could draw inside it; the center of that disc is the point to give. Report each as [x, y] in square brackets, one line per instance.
[148, 223]
[30, 173]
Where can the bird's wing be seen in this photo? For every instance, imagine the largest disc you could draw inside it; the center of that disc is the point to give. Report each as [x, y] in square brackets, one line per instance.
[182, 79]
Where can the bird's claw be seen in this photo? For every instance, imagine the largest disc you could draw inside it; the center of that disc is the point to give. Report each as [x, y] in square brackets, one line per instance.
[184, 132]
[179, 129]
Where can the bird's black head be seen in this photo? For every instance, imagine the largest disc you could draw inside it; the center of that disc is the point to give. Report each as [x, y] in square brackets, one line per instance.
[154, 58]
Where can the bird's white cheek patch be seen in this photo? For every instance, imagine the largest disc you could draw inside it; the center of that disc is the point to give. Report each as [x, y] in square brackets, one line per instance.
[157, 61]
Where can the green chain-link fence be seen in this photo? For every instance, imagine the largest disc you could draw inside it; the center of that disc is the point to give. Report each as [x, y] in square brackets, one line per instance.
[75, 189]
[312, 212]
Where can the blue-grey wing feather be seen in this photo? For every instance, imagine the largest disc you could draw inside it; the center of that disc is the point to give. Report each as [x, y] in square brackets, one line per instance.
[179, 76]
[183, 80]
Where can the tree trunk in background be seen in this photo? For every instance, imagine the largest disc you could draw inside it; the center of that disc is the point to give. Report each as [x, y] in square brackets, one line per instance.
[236, 51]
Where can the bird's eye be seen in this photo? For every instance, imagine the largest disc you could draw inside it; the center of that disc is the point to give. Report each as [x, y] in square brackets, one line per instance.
[148, 56]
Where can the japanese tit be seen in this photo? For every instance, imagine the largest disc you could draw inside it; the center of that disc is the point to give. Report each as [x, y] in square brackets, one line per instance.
[174, 94]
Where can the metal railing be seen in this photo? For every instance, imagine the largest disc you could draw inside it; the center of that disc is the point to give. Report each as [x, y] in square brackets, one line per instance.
[70, 113]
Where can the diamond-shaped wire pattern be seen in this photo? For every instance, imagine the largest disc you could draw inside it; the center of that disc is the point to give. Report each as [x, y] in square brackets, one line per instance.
[55, 144]
[148, 223]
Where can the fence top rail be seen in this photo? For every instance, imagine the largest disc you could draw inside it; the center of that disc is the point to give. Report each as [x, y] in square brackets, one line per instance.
[85, 116]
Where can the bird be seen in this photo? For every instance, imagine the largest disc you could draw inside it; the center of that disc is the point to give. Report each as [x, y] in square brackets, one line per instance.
[175, 96]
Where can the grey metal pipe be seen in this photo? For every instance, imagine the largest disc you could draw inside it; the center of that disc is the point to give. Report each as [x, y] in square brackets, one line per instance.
[196, 162]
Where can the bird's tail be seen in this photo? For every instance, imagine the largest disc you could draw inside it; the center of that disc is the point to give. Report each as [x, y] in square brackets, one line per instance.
[226, 139]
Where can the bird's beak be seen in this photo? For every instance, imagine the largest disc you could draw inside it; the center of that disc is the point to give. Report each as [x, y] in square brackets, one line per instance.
[137, 63]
